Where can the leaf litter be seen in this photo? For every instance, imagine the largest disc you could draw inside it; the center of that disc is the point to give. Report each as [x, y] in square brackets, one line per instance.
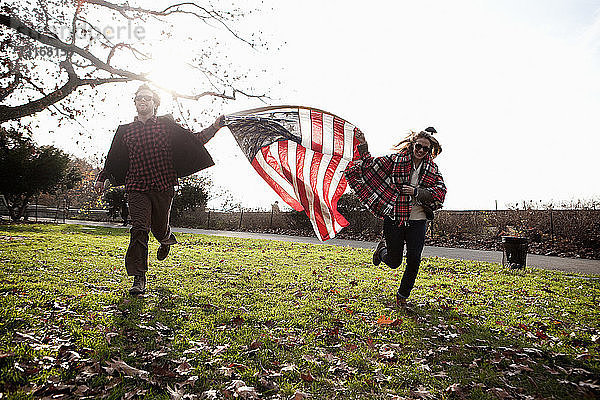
[286, 332]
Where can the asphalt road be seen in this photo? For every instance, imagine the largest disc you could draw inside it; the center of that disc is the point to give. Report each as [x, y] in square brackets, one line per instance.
[569, 265]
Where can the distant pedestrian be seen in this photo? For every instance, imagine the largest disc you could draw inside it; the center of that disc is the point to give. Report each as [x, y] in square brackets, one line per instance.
[147, 156]
[275, 207]
[404, 189]
[124, 210]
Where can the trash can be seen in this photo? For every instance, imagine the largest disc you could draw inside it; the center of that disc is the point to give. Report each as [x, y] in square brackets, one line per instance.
[514, 253]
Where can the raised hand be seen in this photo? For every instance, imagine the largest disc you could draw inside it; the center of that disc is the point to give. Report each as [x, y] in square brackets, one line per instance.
[358, 135]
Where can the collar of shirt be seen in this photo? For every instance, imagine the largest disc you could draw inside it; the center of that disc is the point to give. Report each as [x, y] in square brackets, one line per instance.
[152, 119]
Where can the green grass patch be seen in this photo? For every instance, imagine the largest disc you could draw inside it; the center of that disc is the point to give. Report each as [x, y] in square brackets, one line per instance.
[237, 318]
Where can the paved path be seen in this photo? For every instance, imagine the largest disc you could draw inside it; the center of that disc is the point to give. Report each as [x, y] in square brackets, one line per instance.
[570, 265]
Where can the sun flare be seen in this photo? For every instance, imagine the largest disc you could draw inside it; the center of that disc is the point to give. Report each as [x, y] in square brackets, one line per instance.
[169, 69]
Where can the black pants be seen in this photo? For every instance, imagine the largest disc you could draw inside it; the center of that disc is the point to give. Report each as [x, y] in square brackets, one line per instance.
[413, 234]
[149, 211]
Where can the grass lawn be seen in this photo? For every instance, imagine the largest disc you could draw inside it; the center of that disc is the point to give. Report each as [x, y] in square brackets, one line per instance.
[229, 318]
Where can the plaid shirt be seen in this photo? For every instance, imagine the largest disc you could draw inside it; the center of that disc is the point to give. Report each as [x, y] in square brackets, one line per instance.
[150, 157]
[376, 182]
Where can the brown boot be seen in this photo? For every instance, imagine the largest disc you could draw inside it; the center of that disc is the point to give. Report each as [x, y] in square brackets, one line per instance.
[139, 285]
[163, 251]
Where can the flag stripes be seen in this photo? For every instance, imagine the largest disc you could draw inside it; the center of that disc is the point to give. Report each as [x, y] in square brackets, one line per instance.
[309, 175]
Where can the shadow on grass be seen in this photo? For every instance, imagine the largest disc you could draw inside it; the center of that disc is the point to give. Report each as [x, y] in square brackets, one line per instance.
[146, 331]
[506, 365]
[94, 230]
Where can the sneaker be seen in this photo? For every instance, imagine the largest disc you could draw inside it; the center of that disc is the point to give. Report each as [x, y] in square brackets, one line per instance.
[163, 251]
[377, 254]
[139, 285]
[400, 300]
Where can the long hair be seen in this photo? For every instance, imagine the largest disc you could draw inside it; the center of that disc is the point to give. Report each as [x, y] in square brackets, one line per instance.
[407, 142]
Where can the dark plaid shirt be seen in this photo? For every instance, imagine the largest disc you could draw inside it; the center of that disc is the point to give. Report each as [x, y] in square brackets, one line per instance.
[150, 157]
[377, 181]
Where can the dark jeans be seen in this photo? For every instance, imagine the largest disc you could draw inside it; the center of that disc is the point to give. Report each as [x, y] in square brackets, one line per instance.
[149, 211]
[395, 236]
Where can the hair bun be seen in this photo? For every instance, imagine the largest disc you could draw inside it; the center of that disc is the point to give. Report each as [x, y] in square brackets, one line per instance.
[430, 129]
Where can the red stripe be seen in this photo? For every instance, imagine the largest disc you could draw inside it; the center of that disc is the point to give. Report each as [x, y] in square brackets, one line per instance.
[341, 188]
[272, 161]
[275, 186]
[300, 156]
[329, 174]
[334, 201]
[282, 148]
[338, 136]
[318, 212]
[317, 131]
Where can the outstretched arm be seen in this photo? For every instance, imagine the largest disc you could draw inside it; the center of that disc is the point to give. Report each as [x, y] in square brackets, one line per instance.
[206, 134]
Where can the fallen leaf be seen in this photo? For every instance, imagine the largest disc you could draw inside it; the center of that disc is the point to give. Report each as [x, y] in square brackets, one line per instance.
[288, 368]
[300, 395]
[184, 368]
[175, 394]
[267, 385]
[209, 395]
[255, 345]
[127, 370]
[457, 390]
[135, 393]
[238, 367]
[220, 349]
[500, 393]
[237, 321]
[307, 377]
[383, 320]
[247, 392]
[589, 385]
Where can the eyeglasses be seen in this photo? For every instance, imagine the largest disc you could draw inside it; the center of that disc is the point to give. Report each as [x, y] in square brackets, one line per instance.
[144, 98]
[419, 146]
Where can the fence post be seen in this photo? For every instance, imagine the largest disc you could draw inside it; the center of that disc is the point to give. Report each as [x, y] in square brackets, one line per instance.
[551, 227]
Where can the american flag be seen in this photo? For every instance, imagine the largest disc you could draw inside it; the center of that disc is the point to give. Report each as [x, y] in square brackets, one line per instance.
[301, 153]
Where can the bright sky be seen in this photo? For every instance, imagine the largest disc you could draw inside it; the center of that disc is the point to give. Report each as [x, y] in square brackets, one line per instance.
[512, 87]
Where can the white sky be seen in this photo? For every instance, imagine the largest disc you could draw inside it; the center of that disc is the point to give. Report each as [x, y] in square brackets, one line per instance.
[512, 87]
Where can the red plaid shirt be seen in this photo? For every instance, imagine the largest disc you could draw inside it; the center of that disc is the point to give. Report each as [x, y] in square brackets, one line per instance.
[376, 182]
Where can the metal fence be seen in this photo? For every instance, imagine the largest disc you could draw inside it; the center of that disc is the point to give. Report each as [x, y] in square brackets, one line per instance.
[35, 212]
[577, 225]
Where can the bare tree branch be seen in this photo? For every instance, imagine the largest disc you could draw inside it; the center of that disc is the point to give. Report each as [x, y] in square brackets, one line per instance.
[135, 52]
[19, 26]
[6, 91]
[172, 9]
[93, 71]
[8, 113]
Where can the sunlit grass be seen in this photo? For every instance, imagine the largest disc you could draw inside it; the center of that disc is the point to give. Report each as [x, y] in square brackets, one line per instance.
[283, 318]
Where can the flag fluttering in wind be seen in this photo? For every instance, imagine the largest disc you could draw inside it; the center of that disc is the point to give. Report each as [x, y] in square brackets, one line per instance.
[301, 153]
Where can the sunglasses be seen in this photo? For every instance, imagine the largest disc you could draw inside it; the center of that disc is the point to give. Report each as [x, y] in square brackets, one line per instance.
[144, 98]
[419, 146]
